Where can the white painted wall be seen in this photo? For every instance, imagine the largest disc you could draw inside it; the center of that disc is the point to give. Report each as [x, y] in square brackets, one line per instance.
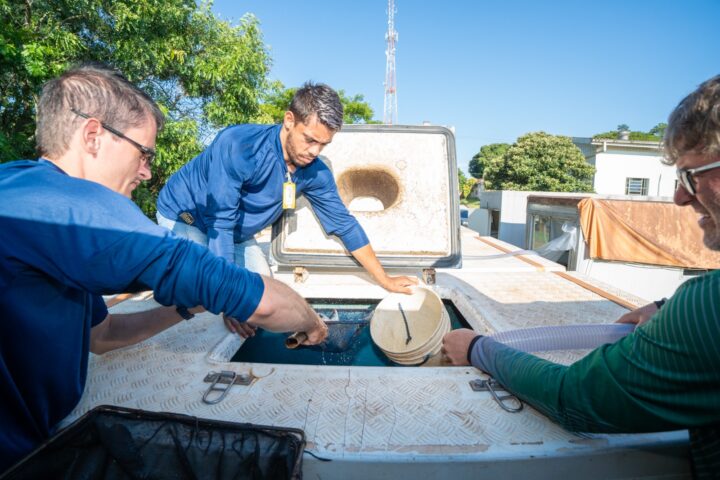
[614, 167]
[645, 281]
[512, 206]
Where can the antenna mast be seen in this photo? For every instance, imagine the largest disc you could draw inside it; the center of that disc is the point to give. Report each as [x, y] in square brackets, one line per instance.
[390, 107]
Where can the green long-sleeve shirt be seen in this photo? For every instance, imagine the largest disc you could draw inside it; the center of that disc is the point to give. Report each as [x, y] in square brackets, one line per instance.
[664, 376]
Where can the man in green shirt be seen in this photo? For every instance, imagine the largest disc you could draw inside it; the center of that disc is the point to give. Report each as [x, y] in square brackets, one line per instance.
[666, 374]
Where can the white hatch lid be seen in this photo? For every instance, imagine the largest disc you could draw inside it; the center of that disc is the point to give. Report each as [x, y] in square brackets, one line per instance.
[401, 184]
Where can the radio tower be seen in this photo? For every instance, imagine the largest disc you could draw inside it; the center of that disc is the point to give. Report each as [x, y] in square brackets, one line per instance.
[390, 107]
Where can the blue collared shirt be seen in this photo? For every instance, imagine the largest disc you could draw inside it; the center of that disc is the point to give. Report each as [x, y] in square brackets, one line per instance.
[233, 189]
[64, 242]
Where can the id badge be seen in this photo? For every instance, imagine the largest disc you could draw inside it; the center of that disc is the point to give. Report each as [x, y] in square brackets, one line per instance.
[288, 194]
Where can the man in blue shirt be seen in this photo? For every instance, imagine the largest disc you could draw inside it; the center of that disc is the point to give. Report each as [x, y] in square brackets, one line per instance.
[69, 233]
[234, 188]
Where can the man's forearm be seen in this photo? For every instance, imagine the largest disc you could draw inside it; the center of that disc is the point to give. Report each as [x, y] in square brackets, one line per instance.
[369, 261]
[367, 258]
[281, 309]
[120, 330]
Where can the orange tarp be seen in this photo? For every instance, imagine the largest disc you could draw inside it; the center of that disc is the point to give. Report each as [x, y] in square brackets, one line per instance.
[653, 233]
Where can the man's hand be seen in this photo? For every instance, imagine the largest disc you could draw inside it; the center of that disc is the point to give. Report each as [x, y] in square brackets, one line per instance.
[281, 309]
[455, 346]
[399, 284]
[367, 258]
[317, 334]
[244, 329]
[639, 315]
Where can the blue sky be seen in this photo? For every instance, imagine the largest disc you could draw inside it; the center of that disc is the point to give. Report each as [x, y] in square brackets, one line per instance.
[495, 70]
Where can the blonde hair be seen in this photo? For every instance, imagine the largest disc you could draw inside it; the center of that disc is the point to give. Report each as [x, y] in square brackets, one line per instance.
[95, 90]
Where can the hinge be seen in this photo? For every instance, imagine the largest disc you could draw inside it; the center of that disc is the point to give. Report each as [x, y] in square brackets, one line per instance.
[508, 402]
[300, 274]
[225, 377]
[428, 275]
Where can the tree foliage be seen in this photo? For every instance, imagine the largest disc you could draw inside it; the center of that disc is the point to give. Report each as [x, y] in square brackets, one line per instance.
[204, 73]
[658, 130]
[654, 135]
[486, 154]
[540, 162]
[465, 184]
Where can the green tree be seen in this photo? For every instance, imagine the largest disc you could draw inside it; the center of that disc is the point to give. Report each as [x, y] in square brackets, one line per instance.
[278, 98]
[658, 130]
[654, 135]
[465, 184]
[540, 162]
[205, 73]
[486, 154]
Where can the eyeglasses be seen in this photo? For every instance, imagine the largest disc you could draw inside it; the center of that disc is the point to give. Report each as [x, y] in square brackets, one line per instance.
[686, 176]
[148, 154]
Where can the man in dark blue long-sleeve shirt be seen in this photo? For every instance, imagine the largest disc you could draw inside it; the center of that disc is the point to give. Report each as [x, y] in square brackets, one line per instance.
[69, 234]
[234, 188]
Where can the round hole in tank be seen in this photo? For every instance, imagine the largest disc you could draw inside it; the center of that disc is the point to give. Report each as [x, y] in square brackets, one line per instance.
[369, 189]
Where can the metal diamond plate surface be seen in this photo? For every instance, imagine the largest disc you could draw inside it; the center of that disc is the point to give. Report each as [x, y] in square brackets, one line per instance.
[357, 413]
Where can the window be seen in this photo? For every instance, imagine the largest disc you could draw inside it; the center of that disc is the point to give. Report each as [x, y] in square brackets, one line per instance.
[547, 229]
[494, 223]
[636, 186]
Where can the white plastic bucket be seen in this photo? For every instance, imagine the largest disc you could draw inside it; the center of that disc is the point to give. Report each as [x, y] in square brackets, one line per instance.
[427, 323]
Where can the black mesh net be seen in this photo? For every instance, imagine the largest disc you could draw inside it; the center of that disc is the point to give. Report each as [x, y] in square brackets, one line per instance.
[118, 443]
[340, 336]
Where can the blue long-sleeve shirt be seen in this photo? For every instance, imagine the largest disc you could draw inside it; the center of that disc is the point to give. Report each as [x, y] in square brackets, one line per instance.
[63, 243]
[233, 189]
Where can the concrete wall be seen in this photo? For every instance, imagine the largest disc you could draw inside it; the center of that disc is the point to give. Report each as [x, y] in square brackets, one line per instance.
[645, 281]
[512, 206]
[613, 168]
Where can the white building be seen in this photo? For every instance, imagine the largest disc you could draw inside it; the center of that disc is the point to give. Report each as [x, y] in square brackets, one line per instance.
[628, 167]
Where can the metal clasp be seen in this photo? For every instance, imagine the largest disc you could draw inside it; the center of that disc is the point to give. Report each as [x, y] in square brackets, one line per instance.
[225, 378]
[300, 274]
[428, 276]
[493, 386]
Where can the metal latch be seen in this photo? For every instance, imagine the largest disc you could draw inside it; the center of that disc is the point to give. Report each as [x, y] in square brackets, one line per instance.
[225, 378]
[493, 386]
[428, 275]
[300, 274]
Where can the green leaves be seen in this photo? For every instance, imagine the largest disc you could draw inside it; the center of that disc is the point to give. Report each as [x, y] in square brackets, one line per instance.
[465, 184]
[180, 145]
[206, 73]
[487, 154]
[355, 109]
[540, 162]
[654, 135]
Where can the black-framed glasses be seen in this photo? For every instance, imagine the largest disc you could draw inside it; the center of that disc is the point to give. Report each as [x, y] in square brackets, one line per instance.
[686, 175]
[147, 152]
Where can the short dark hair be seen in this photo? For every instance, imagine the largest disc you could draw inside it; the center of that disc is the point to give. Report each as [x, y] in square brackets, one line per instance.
[97, 90]
[695, 123]
[318, 99]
